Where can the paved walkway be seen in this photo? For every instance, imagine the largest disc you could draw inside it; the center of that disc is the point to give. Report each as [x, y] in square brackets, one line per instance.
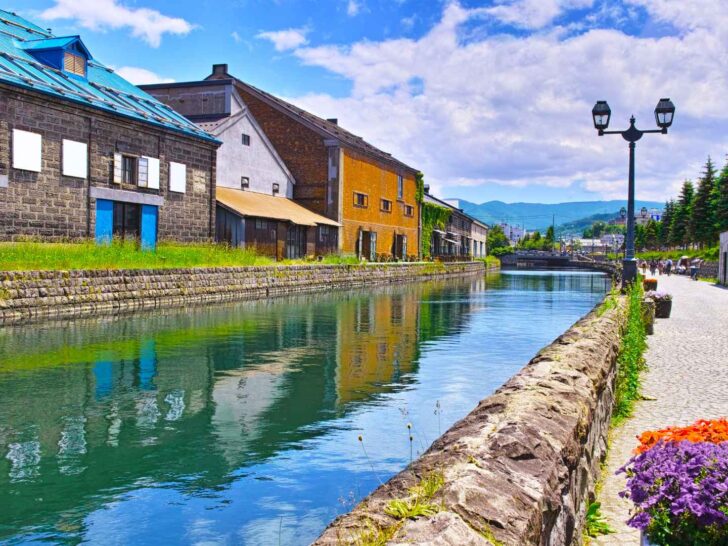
[687, 374]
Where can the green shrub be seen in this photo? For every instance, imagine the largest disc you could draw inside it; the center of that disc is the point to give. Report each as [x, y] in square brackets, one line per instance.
[630, 361]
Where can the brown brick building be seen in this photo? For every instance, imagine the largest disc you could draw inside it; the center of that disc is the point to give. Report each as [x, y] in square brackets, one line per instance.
[83, 153]
[341, 176]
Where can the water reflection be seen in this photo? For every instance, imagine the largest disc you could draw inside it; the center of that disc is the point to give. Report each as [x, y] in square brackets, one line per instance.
[238, 422]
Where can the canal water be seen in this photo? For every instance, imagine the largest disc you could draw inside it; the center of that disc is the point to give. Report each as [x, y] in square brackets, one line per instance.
[239, 423]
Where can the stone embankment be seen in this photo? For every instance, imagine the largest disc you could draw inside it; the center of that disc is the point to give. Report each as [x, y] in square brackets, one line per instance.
[33, 295]
[521, 468]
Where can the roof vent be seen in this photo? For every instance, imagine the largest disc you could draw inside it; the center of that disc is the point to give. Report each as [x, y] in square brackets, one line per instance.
[335, 121]
[219, 69]
[427, 189]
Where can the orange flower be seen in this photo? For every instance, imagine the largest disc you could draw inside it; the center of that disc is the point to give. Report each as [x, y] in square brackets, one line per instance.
[714, 431]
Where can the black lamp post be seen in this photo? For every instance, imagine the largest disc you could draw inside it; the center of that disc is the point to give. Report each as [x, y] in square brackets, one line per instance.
[623, 213]
[601, 113]
[643, 212]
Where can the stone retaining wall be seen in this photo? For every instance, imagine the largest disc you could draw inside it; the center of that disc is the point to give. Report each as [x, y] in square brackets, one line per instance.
[708, 269]
[33, 295]
[520, 469]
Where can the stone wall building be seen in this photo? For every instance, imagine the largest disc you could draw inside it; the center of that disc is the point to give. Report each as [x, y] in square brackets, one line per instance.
[456, 241]
[254, 206]
[83, 153]
[723, 259]
[479, 239]
[341, 176]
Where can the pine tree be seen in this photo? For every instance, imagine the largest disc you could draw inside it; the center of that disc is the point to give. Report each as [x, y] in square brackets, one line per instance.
[665, 222]
[651, 235]
[702, 215]
[721, 200]
[680, 226]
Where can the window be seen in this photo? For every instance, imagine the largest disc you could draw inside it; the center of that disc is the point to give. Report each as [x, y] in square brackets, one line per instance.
[142, 172]
[324, 233]
[26, 151]
[400, 187]
[361, 200]
[246, 140]
[386, 205]
[261, 225]
[75, 159]
[177, 177]
[128, 166]
[409, 210]
[75, 64]
[244, 182]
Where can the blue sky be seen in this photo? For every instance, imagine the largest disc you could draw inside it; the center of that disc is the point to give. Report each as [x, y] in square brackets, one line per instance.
[490, 99]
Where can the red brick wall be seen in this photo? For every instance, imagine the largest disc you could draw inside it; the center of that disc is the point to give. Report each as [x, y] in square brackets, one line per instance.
[53, 206]
[302, 150]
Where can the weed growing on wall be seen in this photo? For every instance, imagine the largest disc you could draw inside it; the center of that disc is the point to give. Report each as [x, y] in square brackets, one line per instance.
[630, 361]
[433, 217]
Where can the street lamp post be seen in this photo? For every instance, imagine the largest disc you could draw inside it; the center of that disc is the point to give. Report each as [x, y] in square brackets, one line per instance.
[601, 113]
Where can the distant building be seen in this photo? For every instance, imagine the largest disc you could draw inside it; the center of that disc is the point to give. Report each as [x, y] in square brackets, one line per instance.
[339, 175]
[455, 241]
[513, 233]
[254, 186]
[723, 259]
[479, 239]
[87, 154]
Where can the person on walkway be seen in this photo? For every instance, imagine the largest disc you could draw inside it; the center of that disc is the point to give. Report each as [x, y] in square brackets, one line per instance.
[653, 267]
[694, 268]
[643, 267]
[668, 266]
[660, 266]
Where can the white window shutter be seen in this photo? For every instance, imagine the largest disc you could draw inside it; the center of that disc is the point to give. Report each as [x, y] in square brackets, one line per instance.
[75, 159]
[152, 173]
[117, 168]
[142, 172]
[177, 177]
[27, 151]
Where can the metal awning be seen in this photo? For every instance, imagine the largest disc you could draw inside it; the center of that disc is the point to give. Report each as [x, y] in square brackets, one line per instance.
[261, 205]
[451, 241]
[438, 231]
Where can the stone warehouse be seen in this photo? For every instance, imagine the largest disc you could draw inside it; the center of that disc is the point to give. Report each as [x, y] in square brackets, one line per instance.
[341, 176]
[83, 153]
[254, 186]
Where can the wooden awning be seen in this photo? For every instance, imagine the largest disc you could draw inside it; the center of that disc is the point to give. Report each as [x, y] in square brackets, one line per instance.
[260, 205]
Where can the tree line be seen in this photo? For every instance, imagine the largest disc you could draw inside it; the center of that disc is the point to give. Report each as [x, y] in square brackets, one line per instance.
[695, 219]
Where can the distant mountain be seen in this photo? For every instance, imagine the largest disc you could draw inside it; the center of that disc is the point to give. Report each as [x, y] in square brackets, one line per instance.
[539, 215]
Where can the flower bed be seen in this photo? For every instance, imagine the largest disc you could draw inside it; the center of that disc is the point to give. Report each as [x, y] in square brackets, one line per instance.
[649, 284]
[678, 482]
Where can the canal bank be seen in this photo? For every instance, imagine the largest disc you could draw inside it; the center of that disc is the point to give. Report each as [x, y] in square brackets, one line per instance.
[35, 295]
[239, 422]
[519, 469]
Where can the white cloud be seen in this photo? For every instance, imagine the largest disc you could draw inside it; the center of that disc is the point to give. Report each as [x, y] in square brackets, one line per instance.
[533, 14]
[141, 76]
[147, 24]
[516, 110]
[354, 7]
[236, 37]
[284, 40]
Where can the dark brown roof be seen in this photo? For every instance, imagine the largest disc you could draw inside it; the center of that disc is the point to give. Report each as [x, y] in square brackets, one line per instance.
[320, 125]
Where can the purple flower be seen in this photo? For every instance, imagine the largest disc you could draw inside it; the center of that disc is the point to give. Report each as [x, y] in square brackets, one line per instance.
[680, 488]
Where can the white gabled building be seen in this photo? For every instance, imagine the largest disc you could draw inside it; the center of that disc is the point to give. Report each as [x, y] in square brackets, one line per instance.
[254, 186]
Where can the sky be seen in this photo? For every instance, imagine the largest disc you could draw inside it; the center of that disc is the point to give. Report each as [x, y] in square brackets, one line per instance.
[491, 100]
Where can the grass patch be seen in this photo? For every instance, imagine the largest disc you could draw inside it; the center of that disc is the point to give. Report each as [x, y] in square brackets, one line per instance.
[33, 255]
[630, 361]
[22, 256]
[410, 508]
[595, 524]
[709, 253]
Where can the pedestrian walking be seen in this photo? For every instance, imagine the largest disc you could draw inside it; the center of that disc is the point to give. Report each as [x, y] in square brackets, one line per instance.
[653, 267]
[668, 266]
[660, 266]
[694, 268]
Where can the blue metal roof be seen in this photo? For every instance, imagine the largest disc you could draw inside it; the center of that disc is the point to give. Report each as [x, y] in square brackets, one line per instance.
[102, 88]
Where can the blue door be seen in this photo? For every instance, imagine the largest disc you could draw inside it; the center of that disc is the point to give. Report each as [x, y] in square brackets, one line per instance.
[149, 227]
[104, 221]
